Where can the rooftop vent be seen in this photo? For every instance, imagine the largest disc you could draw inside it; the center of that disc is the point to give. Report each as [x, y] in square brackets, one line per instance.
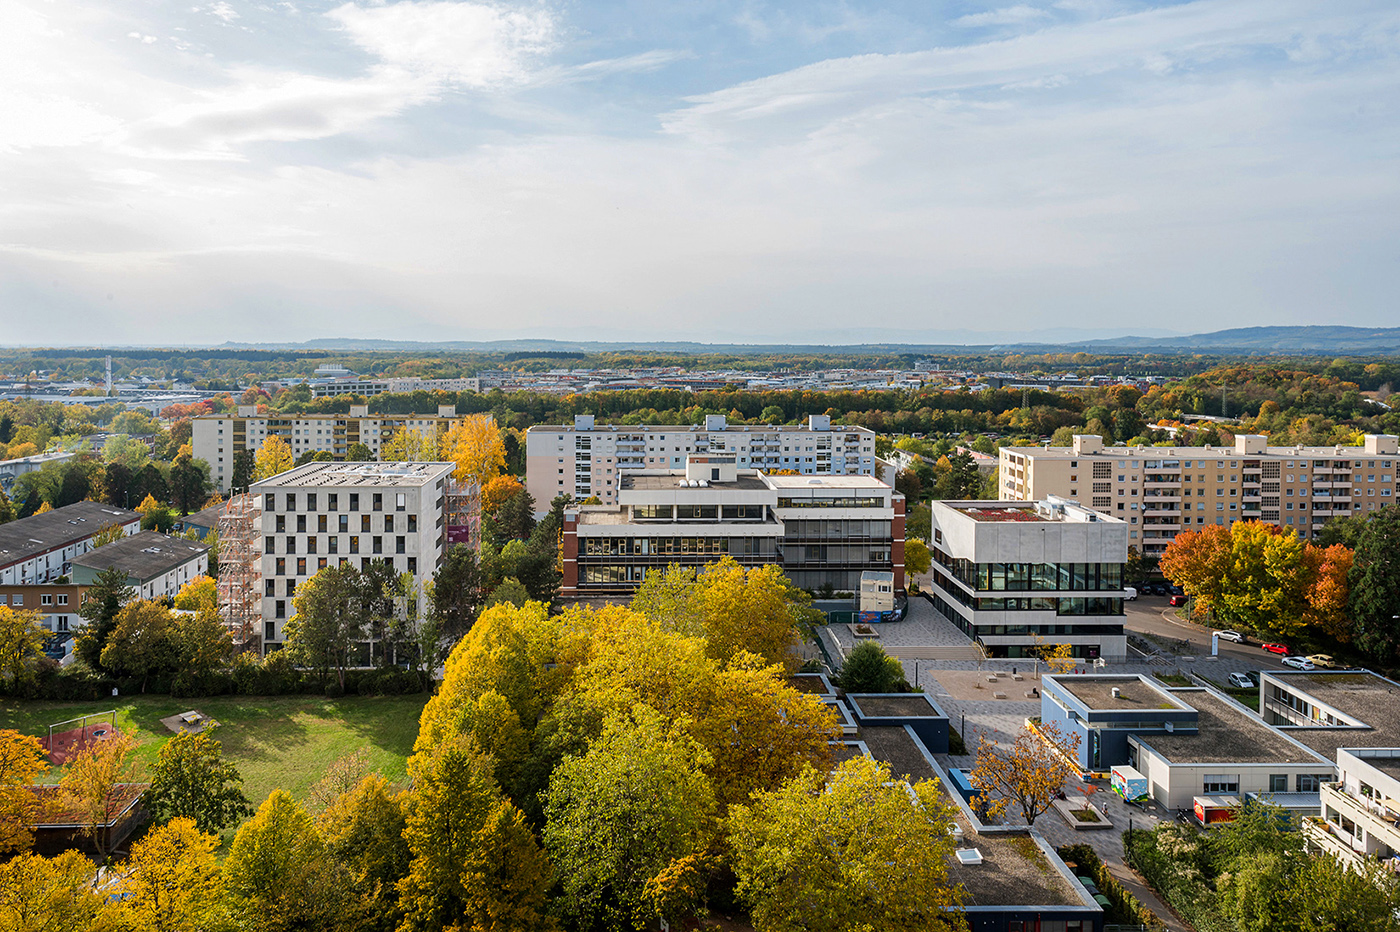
[1116, 692]
[968, 857]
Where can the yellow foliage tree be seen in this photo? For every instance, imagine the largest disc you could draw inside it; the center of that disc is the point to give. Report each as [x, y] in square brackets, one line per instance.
[1027, 774]
[89, 783]
[21, 764]
[273, 457]
[44, 508]
[200, 593]
[170, 882]
[39, 894]
[22, 636]
[475, 444]
[409, 446]
[495, 493]
[148, 505]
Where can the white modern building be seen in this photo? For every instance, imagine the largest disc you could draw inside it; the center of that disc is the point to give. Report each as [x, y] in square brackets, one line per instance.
[822, 530]
[41, 548]
[1161, 491]
[216, 438]
[157, 565]
[323, 513]
[1016, 576]
[1360, 818]
[586, 459]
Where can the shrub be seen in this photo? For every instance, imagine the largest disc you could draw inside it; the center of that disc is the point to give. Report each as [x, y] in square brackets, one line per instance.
[1124, 909]
[868, 669]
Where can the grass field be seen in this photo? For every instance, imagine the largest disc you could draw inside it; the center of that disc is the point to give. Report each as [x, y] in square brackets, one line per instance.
[276, 742]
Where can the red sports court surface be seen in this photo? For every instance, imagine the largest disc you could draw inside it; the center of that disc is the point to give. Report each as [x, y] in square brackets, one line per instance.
[65, 744]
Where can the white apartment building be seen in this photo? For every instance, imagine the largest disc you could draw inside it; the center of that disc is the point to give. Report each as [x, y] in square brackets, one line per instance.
[41, 548]
[1161, 491]
[217, 437]
[322, 512]
[584, 460]
[1015, 576]
[157, 565]
[1361, 809]
[353, 385]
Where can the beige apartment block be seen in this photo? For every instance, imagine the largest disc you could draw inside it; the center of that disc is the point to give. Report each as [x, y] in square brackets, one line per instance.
[1161, 491]
[217, 437]
[586, 460]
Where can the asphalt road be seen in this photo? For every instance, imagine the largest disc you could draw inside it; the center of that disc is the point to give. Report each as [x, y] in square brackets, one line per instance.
[1148, 614]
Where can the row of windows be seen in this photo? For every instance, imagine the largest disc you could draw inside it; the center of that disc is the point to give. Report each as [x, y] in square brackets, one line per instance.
[270, 585]
[342, 524]
[831, 502]
[280, 564]
[1043, 577]
[647, 546]
[333, 501]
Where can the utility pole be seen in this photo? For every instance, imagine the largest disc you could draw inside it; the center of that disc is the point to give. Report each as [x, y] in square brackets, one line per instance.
[109, 376]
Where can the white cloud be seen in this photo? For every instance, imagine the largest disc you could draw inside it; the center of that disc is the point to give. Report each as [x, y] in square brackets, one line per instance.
[1006, 16]
[223, 11]
[470, 44]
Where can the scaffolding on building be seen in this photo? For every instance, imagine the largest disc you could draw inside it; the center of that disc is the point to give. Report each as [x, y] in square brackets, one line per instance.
[463, 513]
[240, 570]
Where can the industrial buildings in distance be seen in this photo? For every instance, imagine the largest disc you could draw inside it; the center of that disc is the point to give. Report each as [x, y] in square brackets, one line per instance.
[1161, 491]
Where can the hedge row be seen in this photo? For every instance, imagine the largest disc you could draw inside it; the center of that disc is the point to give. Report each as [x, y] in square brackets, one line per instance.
[1125, 908]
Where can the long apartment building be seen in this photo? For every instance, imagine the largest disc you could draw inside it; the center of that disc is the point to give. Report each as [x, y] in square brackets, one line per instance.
[217, 437]
[41, 548]
[1161, 491]
[822, 530]
[324, 513]
[585, 460]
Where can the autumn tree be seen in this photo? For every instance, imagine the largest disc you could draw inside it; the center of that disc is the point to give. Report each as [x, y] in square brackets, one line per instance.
[89, 786]
[191, 780]
[21, 764]
[475, 865]
[917, 558]
[272, 458]
[363, 829]
[1375, 585]
[732, 608]
[39, 894]
[170, 883]
[22, 637]
[622, 813]
[143, 643]
[409, 445]
[1028, 774]
[496, 492]
[474, 443]
[278, 876]
[854, 851]
[342, 776]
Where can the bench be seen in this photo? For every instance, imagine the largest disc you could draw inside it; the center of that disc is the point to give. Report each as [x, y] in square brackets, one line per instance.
[191, 718]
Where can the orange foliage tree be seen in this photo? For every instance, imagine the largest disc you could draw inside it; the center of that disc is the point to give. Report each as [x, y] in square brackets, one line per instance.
[1027, 774]
[496, 492]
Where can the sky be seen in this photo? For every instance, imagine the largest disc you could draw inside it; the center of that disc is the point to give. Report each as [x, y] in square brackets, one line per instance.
[190, 173]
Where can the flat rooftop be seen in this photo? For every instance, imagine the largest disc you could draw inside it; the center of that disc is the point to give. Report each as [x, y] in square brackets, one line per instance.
[1390, 766]
[1224, 734]
[143, 556]
[356, 475]
[1013, 872]
[671, 481]
[29, 537]
[1096, 692]
[824, 482]
[1360, 695]
[1109, 452]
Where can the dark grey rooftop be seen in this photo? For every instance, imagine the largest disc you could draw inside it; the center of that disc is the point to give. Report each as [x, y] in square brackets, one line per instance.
[208, 517]
[1224, 734]
[1360, 695]
[143, 556]
[1390, 766]
[30, 537]
[1096, 692]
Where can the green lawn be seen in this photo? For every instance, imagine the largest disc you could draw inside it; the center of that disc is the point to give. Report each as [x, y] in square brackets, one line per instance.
[276, 742]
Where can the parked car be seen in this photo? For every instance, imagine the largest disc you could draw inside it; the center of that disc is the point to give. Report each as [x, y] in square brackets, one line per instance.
[1275, 648]
[1177, 600]
[1326, 661]
[1302, 663]
[1228, 635]
[1241, 681]
[1129, 594]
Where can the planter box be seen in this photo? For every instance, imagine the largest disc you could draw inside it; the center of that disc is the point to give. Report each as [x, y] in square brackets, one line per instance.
[1066, 808]
[849, 726]
[816, 684]
[916, 710]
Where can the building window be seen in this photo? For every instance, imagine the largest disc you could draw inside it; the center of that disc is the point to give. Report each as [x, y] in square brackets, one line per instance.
[1221, 783]
[389, 524]
[412, 524]
[377, 544]
[364, 523]
[310, 501]
[301, 566]
[281, 567]
[291, 588]
[63, 600]
[62, 623]
[413, 565]
[301, 524]
[269, 502]
[332, 501]
[291, 501]
[354, 501]
[269, 631]
[281, 611]
[1278, 783]
[354, 544]
[46, 599]
[320, 524]
[400, 544]
[344, 524]
[311, 545]
[400, 501]
[332, 545]
[291, 545]
[269, 587]
[1310, 782]
[378, 502]
[280, 524]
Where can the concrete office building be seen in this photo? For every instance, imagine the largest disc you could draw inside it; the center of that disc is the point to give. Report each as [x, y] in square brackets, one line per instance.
[1015, 575]
[157, 565]
[216, 438]
[41, 548]
[1161, 491]
[820, 529]
[322, 512]
[585, 459]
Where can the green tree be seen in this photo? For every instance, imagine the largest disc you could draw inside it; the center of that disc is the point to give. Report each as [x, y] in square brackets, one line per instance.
[22, 636]
[244, 463]
[189, 483]
[278, 877]
[457, 595]
[190, 779]
[475, 863]
[143, 643]
[7, 509]
[868, 669]
[109, 592]
[852, 852]
[510, 590]
[622, 813]
[917, 559]
[1375, 586]
[329, 620]
[359, 453]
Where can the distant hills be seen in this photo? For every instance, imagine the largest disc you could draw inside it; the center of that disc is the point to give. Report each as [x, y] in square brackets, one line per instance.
[1308, 340]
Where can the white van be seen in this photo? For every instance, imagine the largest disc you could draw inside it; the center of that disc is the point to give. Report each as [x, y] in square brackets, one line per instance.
[1129, 594]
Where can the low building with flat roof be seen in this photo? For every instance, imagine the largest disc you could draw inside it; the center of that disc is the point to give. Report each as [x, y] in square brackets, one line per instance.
[41, 548]
[822, 530]
[1332, 709]
[157, 565]
[1016, 576]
